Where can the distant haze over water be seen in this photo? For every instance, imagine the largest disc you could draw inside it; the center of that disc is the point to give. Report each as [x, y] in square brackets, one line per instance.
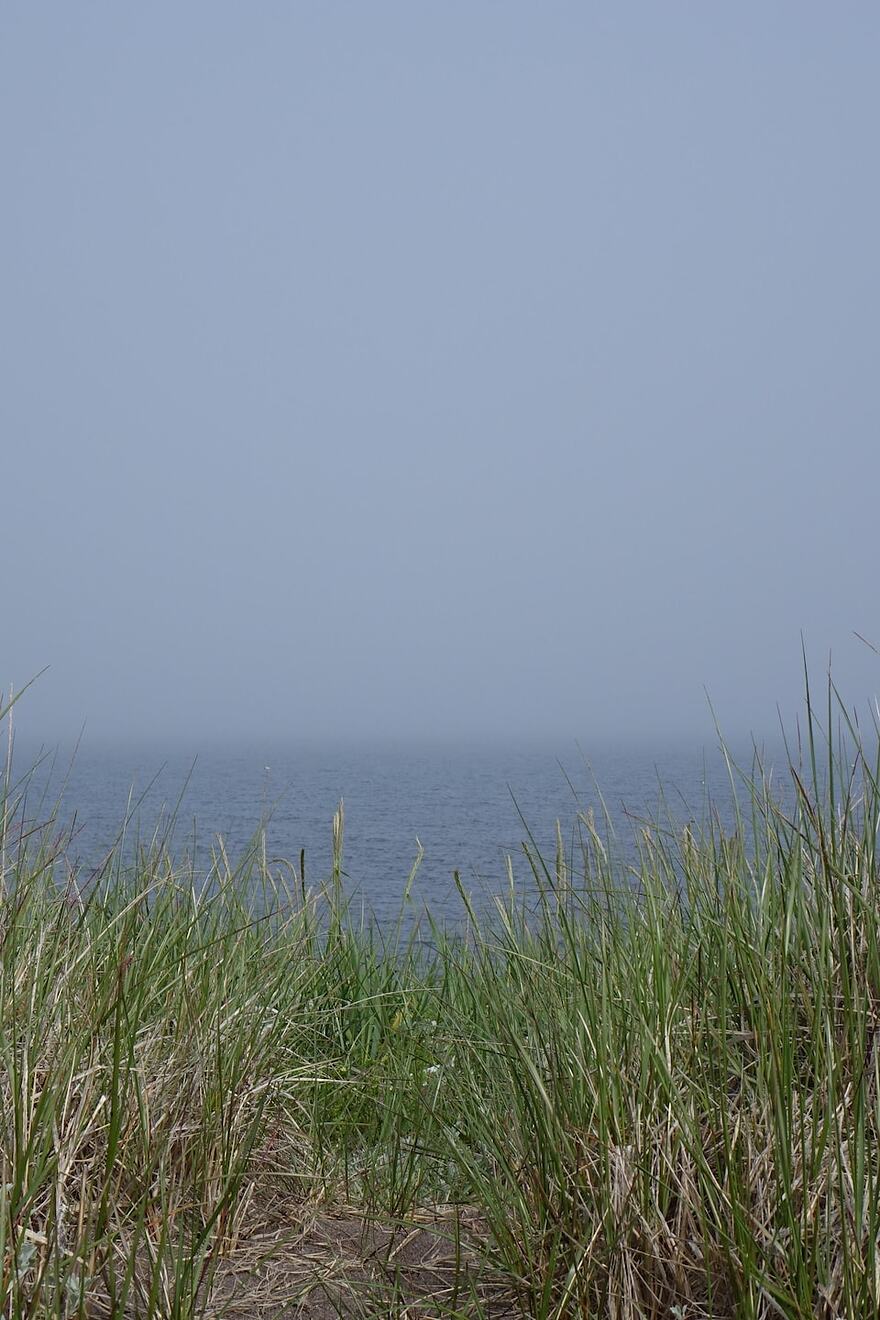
[436, 370]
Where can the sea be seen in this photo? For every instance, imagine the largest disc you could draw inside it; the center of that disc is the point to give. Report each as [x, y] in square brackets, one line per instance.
[471, 812]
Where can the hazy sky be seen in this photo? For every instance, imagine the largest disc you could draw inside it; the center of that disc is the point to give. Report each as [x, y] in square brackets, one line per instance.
[412, 369]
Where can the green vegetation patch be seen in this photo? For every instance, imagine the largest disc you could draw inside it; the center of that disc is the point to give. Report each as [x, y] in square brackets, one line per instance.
[643, 1091]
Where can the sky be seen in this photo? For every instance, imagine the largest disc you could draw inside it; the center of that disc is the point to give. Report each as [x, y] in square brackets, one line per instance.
[436, 370]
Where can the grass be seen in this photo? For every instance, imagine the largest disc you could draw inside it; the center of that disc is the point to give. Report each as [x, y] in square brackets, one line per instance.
[643, 1092]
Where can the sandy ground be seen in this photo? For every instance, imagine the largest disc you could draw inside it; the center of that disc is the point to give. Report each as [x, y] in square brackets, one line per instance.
[334, 1266]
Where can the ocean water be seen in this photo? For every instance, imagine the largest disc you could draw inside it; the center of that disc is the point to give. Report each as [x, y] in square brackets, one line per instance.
[466, 809]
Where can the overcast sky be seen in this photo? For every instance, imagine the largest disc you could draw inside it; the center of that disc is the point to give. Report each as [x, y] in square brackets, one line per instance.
[420, 369]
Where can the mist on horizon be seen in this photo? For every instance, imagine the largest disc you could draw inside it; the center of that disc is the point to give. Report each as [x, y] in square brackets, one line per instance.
[426, 373]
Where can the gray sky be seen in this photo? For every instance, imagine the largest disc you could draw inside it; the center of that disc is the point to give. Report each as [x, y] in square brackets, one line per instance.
[417, 369]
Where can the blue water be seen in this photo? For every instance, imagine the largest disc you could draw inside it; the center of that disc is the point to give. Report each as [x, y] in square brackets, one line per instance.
[462, 805]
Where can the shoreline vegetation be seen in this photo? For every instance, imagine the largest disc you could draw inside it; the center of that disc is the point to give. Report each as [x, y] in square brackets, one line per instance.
[645, 1091]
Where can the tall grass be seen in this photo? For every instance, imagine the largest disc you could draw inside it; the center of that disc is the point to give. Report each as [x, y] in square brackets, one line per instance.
[635, 1092]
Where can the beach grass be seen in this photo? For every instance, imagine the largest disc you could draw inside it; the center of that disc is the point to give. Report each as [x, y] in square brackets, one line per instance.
[642, 1090]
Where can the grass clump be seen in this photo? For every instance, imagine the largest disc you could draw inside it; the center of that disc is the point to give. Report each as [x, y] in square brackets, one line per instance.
[635, 1092]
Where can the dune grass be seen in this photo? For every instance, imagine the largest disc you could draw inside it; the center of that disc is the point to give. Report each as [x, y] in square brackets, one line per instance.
[630, 1092]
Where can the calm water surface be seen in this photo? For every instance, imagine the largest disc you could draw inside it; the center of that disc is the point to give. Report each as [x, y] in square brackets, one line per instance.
[461, 805]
